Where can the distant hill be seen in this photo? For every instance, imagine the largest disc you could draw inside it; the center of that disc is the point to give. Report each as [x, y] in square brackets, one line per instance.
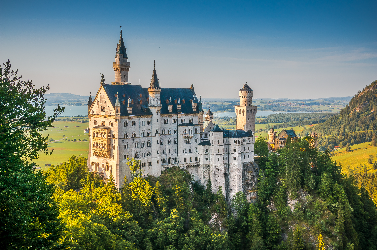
[356, 123]
[65, 99]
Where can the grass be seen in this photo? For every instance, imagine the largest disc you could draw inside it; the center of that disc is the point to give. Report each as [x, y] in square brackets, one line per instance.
[356, 162]
[66, 138]
[359, 155]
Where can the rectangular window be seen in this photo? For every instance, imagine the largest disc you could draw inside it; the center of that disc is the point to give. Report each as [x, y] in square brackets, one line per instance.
[185, 159]
[124, 156]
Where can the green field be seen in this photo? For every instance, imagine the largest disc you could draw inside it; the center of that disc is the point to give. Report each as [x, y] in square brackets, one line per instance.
[66, 138]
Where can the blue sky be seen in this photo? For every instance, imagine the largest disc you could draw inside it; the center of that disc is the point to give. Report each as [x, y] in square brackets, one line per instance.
[283, 49]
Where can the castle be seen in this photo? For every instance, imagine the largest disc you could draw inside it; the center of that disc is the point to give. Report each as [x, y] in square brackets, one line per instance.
[165, 127]
[278, 141]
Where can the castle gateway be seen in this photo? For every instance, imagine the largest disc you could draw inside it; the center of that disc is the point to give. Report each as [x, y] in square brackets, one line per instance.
[164, 127]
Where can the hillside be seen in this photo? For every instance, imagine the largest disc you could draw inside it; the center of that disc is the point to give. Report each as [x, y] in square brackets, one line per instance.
[361, 163]
[65, 99]
[355, 124]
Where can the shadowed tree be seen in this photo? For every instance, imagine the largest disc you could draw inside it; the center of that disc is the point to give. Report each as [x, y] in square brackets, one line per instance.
[28, 213]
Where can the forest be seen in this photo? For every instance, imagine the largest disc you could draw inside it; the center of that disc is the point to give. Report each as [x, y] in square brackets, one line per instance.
[356, 123]
[303, 200]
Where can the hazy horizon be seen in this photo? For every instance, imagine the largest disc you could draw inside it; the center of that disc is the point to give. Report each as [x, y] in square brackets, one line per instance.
[226, 99]
[282, 49]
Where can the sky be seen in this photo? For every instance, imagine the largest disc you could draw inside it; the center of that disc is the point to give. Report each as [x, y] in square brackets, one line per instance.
[282, 49]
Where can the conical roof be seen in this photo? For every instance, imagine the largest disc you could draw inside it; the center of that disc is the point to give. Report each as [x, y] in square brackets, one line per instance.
[245, 88]
[154, 83]
[120, 49]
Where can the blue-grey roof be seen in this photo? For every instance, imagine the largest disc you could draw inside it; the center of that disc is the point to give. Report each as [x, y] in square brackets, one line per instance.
[205, 143]
[138, 94]
[140, 97]
[186, 96]
[232, 133]
[216, 128]
[237, 134]
[291, 133]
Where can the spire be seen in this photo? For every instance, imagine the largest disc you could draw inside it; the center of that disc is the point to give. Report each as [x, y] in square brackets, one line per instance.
[154, 84]
[121, 50]
[245, 88]
[89, 100]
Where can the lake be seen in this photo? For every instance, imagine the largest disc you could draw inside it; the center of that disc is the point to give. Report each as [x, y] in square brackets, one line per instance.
[69, 111]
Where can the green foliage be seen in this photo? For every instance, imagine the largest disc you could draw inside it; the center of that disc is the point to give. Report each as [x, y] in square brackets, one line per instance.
[255, 228]
[301, 188]
[356, 123]
[70, 174]
[28, 213]
[261, 150]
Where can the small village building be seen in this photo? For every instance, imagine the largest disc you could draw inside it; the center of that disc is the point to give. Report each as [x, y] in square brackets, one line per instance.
[278, 141]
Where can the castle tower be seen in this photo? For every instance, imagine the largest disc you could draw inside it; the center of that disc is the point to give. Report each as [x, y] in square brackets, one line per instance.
[154, 90]
[271, 136]
[121, 65]
[246, 111]
[155, 108]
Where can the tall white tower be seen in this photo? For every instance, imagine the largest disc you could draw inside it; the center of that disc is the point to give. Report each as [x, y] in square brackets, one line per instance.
[155, 108]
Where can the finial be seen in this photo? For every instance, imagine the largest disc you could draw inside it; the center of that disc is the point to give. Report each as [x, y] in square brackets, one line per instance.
[154, 64]
[117, 100]
[102, 81]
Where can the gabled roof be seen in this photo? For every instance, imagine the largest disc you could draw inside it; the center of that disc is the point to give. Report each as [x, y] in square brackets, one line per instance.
[291, 133]
[216, 128]
[182, 95]
[140, 97]
[138, 94]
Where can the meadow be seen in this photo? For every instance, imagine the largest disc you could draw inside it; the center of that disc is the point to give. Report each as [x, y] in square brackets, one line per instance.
[361, 163]
[66, 138]
[359, 155]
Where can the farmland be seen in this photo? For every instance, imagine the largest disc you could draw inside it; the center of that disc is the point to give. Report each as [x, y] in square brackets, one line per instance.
[65, 139]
